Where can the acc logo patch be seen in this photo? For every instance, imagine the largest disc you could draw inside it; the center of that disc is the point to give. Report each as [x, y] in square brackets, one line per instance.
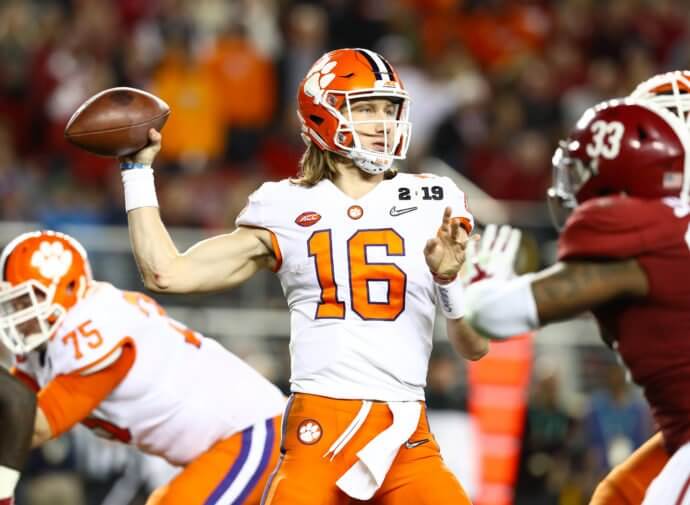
[307, 218]
[309, 431]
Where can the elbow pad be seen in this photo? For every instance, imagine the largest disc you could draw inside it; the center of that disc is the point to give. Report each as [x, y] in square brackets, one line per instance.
[499, 309]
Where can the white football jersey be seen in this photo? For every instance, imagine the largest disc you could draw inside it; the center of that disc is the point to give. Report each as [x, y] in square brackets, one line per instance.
[183, 393]
[359, 291]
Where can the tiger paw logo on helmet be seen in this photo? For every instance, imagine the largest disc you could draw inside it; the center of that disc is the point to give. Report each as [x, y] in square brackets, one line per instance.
[52, 260]
[309, 431]
[319, 77]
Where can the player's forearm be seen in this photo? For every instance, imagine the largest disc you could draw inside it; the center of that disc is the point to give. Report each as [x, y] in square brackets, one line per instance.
[569, 288]
[467, 343]
[42, 430]
[154, 251]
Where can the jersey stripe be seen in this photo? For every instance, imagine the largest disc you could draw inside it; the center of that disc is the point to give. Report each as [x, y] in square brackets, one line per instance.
[257, 444]
[265, 458]
[683, 491]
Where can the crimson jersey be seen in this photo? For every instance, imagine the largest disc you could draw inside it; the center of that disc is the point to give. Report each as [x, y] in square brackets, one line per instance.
[651, 334]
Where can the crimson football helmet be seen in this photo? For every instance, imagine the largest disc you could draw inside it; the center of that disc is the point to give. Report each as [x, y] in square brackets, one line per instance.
[325, 97]
[625, 146]
[44, 274]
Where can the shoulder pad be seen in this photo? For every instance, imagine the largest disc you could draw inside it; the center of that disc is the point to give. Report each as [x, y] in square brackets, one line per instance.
[92, 334]
[611, 227]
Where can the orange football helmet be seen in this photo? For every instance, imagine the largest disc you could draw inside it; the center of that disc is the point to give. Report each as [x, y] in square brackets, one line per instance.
[44, 274]
[325, 97]
[670, 90]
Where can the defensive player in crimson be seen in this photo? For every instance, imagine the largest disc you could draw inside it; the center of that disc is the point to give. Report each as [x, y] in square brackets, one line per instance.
[621, 179]
[364, 255]
[115, 362]
[17, 411]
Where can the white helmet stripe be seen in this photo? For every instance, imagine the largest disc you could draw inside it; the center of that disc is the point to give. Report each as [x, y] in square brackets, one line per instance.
[378, 65]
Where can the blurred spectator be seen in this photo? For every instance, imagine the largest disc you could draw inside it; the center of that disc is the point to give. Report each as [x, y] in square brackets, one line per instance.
[537, 85]
[306, 35]
[603, 82]
[245, 83]
[618, 420]
[437, 88]
[518, 171]
[444, 390]
[549, 442]
[195, 131]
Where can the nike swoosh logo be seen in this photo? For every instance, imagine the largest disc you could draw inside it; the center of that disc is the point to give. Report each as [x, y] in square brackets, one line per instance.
[400, 212]
[416, 443]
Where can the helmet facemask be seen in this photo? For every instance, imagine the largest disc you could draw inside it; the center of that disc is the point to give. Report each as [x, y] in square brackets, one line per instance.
[669, 95]
[670, 90]
[569, 175]
[347, 138]
[28, 317]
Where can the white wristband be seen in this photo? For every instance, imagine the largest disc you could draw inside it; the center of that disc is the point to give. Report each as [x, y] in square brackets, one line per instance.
[140, 190]
[501, 309]
[449, 298]
[8, 481]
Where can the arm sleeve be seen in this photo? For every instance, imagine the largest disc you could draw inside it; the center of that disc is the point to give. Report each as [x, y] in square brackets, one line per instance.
[68, 399]
[253, 216]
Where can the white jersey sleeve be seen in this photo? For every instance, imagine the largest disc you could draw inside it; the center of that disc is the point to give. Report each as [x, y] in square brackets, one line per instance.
[252, 214]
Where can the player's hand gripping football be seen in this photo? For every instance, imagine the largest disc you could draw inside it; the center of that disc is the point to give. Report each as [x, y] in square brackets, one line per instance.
[149, 152]
[493, 256]
[445, 253]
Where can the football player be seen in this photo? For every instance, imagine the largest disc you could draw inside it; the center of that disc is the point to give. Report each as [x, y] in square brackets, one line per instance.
[17, 411]
[115, 362]
[621, 194]
[364, 255]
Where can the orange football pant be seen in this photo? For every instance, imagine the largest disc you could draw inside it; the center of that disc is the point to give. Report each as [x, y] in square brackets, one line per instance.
[417, 476]
[627, 483]
[234, 470]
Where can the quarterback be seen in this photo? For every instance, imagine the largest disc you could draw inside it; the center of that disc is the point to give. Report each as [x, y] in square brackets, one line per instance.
[115, 362]
[364, 255]
[621, 194]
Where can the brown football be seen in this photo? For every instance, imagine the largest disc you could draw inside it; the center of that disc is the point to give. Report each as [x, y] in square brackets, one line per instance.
[115, 122]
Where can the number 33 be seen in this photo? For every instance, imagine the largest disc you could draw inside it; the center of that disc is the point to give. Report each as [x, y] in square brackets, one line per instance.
[606, 139]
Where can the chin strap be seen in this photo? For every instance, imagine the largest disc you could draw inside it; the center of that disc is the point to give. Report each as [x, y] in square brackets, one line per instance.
[370, 164]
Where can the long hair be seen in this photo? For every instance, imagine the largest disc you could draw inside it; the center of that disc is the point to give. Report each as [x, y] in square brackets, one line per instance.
[317, 164]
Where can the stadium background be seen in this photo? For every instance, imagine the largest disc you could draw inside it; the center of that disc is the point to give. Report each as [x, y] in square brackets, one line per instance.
[495, 84]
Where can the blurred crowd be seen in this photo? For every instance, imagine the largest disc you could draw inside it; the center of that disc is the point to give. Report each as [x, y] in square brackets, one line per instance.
[495, 84]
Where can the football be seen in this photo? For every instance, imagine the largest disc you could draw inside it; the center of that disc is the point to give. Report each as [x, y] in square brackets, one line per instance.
[115, 122]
